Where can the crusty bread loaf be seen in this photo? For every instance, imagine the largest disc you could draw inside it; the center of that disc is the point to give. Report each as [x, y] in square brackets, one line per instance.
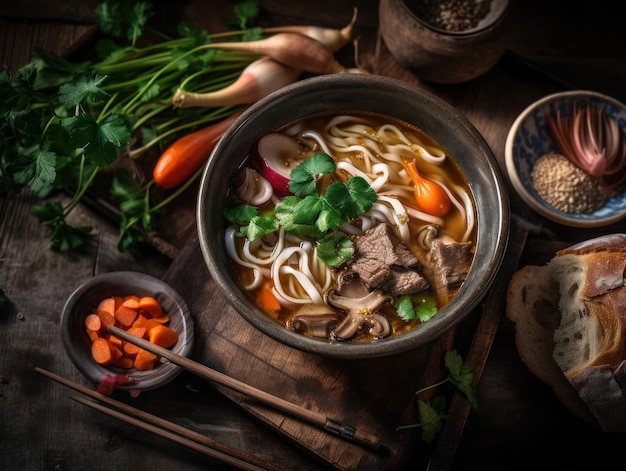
[570, 327]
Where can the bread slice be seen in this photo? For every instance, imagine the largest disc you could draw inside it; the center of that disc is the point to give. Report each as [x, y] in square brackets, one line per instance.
[532, 304]
[570, 321]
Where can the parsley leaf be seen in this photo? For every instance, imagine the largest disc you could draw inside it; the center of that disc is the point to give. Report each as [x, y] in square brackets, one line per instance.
[304, 177]
[432, 412]
[123, 18]
[37, 168]
[64, 237]
[83, 90]
[352, 198]
[421, 306]
[462, 376]
[101, 142]
[335, 249]
[246, 11]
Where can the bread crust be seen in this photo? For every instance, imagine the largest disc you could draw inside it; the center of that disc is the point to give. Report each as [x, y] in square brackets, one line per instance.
[570, 327]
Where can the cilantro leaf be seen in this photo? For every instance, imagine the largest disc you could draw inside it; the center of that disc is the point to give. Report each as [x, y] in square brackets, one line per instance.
[37, 168]
[241, 214]
[404, 307]
[352, 198]
[304, 177]
[259, 226]
[64, 237]
[335, 249]
[134, 203]
[101, 142]
[432, 412]
[421, 306]
[246, 11]
[462, 376]
[431, 415]
[123, 18]
[83, 90]
[300, 219]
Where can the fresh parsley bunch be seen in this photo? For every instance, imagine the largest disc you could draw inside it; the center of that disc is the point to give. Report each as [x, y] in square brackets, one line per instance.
[66, 121]
[307, 213]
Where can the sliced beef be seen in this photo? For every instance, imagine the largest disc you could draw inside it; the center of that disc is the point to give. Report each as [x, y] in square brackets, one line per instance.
[382, 244]
[452, 260]
[382, 260]
[402, 280]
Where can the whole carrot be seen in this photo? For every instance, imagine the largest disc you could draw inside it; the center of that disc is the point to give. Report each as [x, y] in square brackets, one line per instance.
[183, 157]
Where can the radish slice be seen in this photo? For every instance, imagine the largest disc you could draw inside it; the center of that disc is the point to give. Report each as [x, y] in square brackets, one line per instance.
[276, 156]
[251, 188]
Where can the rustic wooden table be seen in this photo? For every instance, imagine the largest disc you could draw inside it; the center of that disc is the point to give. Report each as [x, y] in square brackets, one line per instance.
[519, 425]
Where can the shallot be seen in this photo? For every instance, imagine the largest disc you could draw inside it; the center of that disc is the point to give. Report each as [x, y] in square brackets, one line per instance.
[258, 79]
[295, 50]
[592, 141]
[333, 39]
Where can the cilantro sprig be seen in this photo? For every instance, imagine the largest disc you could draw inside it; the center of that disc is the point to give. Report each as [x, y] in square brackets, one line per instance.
[67, 121]
[308, 213]
[432, 412]
[421, 306]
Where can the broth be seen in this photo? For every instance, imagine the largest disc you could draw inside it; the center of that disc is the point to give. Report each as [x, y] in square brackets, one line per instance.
[313, 296]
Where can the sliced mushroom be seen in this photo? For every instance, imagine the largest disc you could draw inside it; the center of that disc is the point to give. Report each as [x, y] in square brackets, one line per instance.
[315, 320]
[361, 306]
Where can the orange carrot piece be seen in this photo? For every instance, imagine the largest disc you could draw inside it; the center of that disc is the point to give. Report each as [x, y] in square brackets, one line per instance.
[125, 316]
[131, 303]
[131, 296]
[124, 362]
[162, 319]
[103, 352]
[267, 300]
[138, 331]
[130, 349]
[118, 302]
[163, 336]
[145, 360]
[93, 322]
[106, 312]
[106, 305]
[115, 341]
[151, 306]
[92, 334]
[145, 322]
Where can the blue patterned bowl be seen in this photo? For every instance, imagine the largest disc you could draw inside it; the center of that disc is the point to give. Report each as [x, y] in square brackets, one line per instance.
[529, 139]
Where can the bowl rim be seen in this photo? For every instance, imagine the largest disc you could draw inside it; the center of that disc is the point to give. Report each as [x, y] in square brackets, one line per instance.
[510, 162]
[493, 236]
[144, 380]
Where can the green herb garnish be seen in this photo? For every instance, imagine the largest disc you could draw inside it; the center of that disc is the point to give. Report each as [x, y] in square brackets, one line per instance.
[432, 412]
[421, 306]
[307, 213]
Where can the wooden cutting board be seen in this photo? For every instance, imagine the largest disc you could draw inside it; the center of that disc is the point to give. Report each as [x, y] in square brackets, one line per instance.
[376, 395]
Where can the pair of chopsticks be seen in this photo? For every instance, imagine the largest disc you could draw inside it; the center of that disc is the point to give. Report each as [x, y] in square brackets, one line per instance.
[197, 441]
[326, 423]
[164, 428]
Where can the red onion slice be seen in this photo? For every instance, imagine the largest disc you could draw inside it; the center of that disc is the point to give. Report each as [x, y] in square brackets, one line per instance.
[276, 154]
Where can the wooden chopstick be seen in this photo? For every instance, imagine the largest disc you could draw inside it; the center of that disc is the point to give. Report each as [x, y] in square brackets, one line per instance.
[164, 428]
[315, 418]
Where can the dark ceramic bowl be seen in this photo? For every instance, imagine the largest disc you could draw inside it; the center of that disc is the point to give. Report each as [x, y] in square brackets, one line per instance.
[441, 55]
[365, 93]
[86, 298]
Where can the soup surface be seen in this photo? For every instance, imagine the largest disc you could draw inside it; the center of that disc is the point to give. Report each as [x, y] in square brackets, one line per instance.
[351, 227]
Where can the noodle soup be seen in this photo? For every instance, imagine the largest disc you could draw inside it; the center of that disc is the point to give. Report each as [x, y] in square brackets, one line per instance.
[374, 237]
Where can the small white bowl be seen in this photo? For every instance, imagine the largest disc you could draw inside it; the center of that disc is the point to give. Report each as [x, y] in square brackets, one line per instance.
[123, 283]
[529, 138]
